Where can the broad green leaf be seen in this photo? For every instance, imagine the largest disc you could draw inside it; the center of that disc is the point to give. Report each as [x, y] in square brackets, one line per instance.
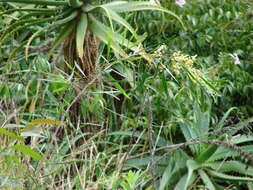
[81, 33]
[28, 151]
[201, 121]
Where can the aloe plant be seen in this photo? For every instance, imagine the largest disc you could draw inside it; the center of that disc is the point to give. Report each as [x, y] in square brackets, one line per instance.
[79, 24]
[210, 161]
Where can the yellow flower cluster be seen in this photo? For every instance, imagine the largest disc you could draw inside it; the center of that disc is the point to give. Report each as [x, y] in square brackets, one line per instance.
[182, 61]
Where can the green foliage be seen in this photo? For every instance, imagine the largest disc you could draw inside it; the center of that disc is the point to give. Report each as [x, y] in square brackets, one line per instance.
[75, 16]
[180, 121]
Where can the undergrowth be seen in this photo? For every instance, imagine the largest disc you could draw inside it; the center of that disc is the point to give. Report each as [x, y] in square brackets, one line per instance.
[181, 121]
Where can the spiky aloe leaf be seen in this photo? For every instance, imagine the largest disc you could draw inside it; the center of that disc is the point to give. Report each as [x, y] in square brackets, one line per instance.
[241, 139]
[116, 17]
[223, 153]
[228, 177]
[75, 3]
[101, 32]
[206, 154]
[21, 25]
[38, 10]
[109, 15]
[81, 33]
[191, 165]
[117, 38]
[13, 53]
[207, 181]
[124, 6]
[48, 28]
[65, 32]
[222, 121]
[168, 173]
[240, 125]
[231, 166]
[182, 182]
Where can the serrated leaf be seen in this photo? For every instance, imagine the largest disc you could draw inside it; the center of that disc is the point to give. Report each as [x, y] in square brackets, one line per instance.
[182, 182]
[207, 181]
[229, 177]
[231, 166]
[191, 165]
[222, 121]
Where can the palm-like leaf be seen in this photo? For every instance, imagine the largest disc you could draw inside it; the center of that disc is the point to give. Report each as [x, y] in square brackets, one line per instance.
[84, 20]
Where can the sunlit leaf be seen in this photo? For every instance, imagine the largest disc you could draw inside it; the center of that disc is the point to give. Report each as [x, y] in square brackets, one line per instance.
[28, 151]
